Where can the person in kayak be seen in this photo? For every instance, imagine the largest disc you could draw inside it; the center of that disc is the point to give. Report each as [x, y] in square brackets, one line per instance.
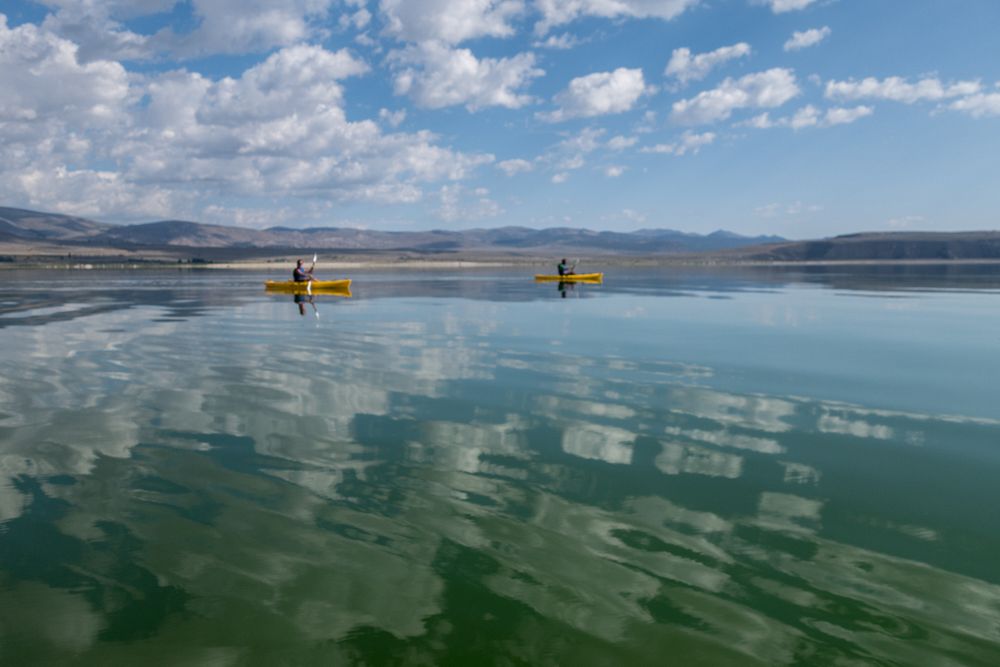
[564, 269]
[301, 275]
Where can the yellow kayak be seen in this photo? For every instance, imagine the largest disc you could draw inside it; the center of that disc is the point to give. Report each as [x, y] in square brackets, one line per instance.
[338, 286]
[573, 278]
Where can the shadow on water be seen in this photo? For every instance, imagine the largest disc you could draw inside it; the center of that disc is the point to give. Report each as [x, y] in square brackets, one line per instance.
[421, 490]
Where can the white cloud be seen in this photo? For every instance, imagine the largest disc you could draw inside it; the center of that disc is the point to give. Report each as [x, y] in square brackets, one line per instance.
[279, 128]
[459, 204]
[807, 38]
[392, 118]
[689, 142]
[843, 116]
[979, 105]
[810, 116]
[768, 89]
[515, 166]
[449, 21]
[42, 79]
[558, 12]
[620, 143]
[561, 177]
[244, 26]
[685, 67]
[558, 42]
[897, 89]
[794, 209]
[599, 94]
[98, 35]
[614, 170]
[435, 76]
[781, 6]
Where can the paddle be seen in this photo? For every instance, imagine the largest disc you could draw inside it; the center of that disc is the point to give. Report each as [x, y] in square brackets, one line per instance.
[309, 285]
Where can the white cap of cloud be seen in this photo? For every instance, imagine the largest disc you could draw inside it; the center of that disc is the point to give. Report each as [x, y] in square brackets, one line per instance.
[436, 76]
[598, 94]
[685, 67]
[558, 12]
[689, 142]
[898, 89]
[449, 21]
[767, 89]
[781, 6]
[979, 105]
[515, 166]
[807, 38]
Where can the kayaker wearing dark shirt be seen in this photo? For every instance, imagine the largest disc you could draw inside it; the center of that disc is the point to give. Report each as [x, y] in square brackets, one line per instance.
[301, 275]
[563, 269]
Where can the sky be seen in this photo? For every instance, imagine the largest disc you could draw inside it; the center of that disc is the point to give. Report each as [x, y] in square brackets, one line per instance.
[804, 118]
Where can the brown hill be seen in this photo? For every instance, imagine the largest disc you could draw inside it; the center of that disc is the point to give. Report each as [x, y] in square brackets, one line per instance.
[882, 246]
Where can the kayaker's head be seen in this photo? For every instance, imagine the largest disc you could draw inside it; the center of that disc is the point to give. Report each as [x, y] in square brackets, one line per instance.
[298, 263]
[563, 260]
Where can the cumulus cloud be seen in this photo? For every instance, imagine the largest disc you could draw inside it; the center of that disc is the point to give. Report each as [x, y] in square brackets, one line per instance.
[559, 12]
[558, 42]
[614, 170]
[979, 105]
[598, 94]
[807, 38]
[620, 143]
[97, 33]
[243, 26]
[768, 89]
[449, 21]
[781, 6]
[42, 78]
[689, 142]
[515, 166]
[280, 128]
[436, 76]
[810, 116]
[794, 209]
[685, 67]
[459, 204]
[898, 89]
[392, 118]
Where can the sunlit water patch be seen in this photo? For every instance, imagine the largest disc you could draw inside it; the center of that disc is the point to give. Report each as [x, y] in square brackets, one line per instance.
[472, 468]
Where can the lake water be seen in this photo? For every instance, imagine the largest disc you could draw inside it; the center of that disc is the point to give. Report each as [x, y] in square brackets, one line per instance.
[770, 467]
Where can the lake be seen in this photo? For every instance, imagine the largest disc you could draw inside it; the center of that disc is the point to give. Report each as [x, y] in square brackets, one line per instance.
[693, 467]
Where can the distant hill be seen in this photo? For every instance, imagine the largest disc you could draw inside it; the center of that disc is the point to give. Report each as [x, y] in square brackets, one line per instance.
[16, 223]
[36, 226]
[881, 246]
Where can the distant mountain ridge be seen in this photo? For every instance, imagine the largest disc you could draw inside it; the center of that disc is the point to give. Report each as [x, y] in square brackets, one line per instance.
[882, 246]
[19, 224]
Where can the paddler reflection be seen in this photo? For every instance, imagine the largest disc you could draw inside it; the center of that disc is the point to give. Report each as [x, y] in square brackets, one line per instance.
[565, 287]
[301, 300]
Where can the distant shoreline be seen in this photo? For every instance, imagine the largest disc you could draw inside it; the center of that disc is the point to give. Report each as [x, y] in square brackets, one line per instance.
[426, 263]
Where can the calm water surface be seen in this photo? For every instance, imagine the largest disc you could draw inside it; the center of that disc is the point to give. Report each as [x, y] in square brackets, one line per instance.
[677, 467]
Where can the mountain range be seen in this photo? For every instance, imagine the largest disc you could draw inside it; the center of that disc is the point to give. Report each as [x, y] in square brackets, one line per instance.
[18, 225]
[26, 233]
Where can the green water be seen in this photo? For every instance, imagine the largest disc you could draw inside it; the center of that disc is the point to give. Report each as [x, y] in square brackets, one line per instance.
[677, 467]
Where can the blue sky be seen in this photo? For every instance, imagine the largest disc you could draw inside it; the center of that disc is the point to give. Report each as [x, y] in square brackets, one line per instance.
[804, 118]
